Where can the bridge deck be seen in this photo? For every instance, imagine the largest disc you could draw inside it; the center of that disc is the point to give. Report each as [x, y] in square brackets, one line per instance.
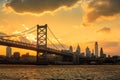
[33, 47]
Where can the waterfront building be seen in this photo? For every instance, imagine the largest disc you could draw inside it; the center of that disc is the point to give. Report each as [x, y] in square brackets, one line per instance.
[102, 55]
[88, 52]
[76, 55]
[96, 49]
[78, 50]
[71, 49]
[101, 52]
[82, 55]
[8, 52]
[16, 55]
[76, 58]
[28, 58]
[92, 54]
[109, 56]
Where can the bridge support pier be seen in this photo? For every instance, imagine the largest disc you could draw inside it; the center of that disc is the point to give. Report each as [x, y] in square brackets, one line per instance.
[37, 57]
[41, 42]
[41, 58]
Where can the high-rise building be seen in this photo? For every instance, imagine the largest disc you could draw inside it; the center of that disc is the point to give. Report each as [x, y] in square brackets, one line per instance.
[92, 51]
[102, 55]
[96, 49]
[101, 52]
[92, 54]
[8, 52]
[88, 52]
[77, 55]
[71, 49]
[109, 56]
[78, 50]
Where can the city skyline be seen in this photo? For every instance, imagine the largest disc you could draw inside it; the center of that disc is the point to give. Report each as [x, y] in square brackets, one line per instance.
[89, 53]
[69, 16]
[72, 57]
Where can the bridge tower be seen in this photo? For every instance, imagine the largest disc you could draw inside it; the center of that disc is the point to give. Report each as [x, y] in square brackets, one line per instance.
[41, 39]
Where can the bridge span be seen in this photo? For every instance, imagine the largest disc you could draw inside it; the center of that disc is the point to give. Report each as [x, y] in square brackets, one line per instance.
[39, 47]
[33, 47]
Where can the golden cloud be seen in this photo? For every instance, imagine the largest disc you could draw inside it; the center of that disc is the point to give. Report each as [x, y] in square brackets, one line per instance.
[37, 6]
[96, 10]
[105, 30]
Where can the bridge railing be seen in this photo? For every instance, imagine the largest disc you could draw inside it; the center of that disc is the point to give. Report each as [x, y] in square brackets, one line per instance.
[59, 52]
[17, 42]
[33, 46]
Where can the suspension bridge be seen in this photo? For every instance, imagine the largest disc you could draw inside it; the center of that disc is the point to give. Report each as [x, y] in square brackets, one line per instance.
[41, 45]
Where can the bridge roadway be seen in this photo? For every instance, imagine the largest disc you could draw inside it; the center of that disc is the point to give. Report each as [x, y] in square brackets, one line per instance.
[28, 46]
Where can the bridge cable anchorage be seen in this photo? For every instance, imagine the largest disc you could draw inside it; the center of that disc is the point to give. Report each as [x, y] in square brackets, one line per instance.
[53, 44]
[56, 38]
[23, 32]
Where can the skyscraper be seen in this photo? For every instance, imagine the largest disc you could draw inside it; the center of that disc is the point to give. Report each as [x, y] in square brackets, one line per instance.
[88, 53]
[71, 49]
[101, 52]
[8, 51]
[77, 55]
[96, 49]
[78, 51]
[102, 55]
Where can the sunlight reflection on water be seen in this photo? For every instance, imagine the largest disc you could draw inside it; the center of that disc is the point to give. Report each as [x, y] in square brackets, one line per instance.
[68, 72]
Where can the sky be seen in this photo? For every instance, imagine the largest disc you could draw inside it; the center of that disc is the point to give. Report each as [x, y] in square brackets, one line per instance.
[73, 22]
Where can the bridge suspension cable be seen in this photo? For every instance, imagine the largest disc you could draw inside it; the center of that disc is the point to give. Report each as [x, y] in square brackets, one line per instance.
[52, 43]
[32, 31]
[56, 38]
[21, 33]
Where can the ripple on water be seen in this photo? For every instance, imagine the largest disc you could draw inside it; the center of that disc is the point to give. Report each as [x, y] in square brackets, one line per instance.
[85, 72]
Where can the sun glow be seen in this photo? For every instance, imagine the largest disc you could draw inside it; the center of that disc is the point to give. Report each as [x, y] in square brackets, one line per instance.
[31, 38]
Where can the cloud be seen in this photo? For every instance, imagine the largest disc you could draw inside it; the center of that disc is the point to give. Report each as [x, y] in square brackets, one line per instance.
[105, 44]
[111, 44]
[104, 30]
[38, 6]
[109, 47]
[1, 0]
[24, 39]
[101, 9]
[2, 34]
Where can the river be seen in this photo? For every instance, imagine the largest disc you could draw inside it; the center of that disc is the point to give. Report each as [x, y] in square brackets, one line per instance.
[60, 72]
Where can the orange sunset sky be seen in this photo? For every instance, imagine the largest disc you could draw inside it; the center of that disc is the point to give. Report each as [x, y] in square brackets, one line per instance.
[73, 22]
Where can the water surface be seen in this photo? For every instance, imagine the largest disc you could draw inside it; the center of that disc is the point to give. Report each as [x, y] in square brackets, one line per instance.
[59, 72]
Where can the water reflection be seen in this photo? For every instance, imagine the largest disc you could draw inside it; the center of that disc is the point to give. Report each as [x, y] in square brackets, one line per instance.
[69, 72]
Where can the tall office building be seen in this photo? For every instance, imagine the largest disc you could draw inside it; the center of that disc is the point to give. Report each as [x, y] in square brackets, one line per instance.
[102, 55]
[77, 55]
[78, 50]
[96, 49]
[71, 49]
[8, 52]
[101, 52]
[88, 53]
